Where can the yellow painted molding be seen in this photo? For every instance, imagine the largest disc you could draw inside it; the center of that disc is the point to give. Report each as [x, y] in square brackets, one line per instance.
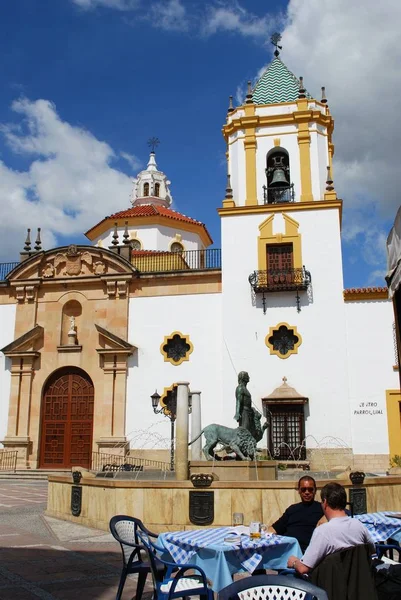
[267, 238]
[167, 338]
[277, 141]
[250, 170]
[295, 118]
[249, 110]
[358, 294]
[293, 328]
[393, 404]
[228, 203]
[305, 164]
[330, 195]
[289, 207]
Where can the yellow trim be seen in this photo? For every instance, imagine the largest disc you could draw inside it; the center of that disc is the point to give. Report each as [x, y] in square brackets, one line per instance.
[277, 141]
[274, 134]
[228, 203]
[250, 170]
[353, 295]
[393, 401]
[304, 153]
[267, 237]
[169, 337]
[108, 223]
[276, 328]
[259, 121]
[163, 398]
[275, 208]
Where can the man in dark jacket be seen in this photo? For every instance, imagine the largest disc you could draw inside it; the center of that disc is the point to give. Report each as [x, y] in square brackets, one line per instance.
[299, 520]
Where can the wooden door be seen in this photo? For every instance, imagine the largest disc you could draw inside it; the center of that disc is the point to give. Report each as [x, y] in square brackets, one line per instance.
[280, 264]
[67, 420]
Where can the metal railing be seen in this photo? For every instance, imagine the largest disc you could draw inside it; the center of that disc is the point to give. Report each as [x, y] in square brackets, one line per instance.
[8, 460]
[277, 195]
[274, 280]
[101, 460]
[5, 268]
[154, 261]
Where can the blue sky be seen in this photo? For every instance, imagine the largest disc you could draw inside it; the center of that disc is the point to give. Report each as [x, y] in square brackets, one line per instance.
[85, 83]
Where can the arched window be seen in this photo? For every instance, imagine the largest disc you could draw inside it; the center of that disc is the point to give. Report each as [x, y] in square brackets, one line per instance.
[146, 189]
[279, 187]
[177, 247]
[157, 190]
[136, 245]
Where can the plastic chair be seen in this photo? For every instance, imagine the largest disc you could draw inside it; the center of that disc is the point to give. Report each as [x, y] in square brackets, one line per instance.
[387, 550]
[125, 530]
[272, 587]
[166, 587]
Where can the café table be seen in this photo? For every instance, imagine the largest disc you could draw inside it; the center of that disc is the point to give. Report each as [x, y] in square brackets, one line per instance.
[220, 559]
[381, 525]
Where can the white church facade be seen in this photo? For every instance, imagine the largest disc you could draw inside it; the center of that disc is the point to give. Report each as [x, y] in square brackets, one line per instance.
[87, 333]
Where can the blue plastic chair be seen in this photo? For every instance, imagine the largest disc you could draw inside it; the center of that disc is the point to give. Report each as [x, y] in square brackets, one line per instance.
[272, 587]
[388, 551]
[165, 585]
[125, 530]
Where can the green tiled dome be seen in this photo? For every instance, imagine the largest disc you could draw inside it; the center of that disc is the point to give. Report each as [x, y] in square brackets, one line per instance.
[277, 84]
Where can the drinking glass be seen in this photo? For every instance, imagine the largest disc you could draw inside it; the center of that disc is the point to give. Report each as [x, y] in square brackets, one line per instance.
[238, 519]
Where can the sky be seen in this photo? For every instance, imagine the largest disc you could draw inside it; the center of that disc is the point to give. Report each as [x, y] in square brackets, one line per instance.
[85, 84]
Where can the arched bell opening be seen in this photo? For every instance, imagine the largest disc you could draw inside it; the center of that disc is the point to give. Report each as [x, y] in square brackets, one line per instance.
[278, 186]
[67, 419]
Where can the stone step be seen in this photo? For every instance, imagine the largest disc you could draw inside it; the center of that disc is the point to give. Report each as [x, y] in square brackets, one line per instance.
[32, 474]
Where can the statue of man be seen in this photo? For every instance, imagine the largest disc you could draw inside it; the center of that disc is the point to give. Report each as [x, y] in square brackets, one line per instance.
[243, 410]
[72, 324]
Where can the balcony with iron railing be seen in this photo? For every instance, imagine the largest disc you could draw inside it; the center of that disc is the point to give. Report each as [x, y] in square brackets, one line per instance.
[280, 280]
[156, 261]
[278, 195]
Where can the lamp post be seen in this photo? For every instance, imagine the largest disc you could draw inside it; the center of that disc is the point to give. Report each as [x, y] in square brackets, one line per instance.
[169, 409]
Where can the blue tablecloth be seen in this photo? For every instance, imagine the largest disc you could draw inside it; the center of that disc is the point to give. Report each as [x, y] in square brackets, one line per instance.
[207, 549]
[381, 525]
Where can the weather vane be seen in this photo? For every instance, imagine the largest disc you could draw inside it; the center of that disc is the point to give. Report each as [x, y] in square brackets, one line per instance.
[275, 38]
[153, 142]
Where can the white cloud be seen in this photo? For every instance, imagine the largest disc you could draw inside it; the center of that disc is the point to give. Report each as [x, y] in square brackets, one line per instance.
[170, 16]
[116, 4]
[232, 17]
[134, 162]
[70, 183]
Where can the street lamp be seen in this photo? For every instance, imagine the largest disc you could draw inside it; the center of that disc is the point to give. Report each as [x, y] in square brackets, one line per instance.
[169, 409]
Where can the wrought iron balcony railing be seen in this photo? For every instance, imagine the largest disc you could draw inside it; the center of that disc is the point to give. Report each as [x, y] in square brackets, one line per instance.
[280, 280]
[155, 261]
[5, 268]
[278, 194]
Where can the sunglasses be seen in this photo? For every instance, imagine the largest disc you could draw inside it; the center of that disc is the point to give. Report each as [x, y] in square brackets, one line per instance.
[307, 489]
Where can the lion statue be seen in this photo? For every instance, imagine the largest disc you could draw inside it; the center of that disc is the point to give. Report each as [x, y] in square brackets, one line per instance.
[238, 440]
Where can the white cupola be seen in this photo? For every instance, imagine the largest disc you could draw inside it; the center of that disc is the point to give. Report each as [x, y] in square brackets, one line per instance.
[151, 186]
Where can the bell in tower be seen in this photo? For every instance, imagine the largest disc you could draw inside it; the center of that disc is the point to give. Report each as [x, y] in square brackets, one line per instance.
[279, 178]
[279, 188]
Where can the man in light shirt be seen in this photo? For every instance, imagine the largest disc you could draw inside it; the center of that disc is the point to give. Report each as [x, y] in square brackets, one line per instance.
[341, 531]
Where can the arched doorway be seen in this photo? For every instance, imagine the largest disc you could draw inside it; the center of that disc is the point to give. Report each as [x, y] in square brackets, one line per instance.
[67, 419]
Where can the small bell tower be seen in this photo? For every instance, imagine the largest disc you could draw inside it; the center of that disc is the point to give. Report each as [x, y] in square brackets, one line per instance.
[151, 186]
[279, 141]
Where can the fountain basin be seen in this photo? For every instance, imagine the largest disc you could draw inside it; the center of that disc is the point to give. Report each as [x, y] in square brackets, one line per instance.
[164, 505]
[236, 470]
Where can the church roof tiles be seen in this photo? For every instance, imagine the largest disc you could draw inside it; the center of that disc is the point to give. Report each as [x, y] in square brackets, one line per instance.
[277, 84]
